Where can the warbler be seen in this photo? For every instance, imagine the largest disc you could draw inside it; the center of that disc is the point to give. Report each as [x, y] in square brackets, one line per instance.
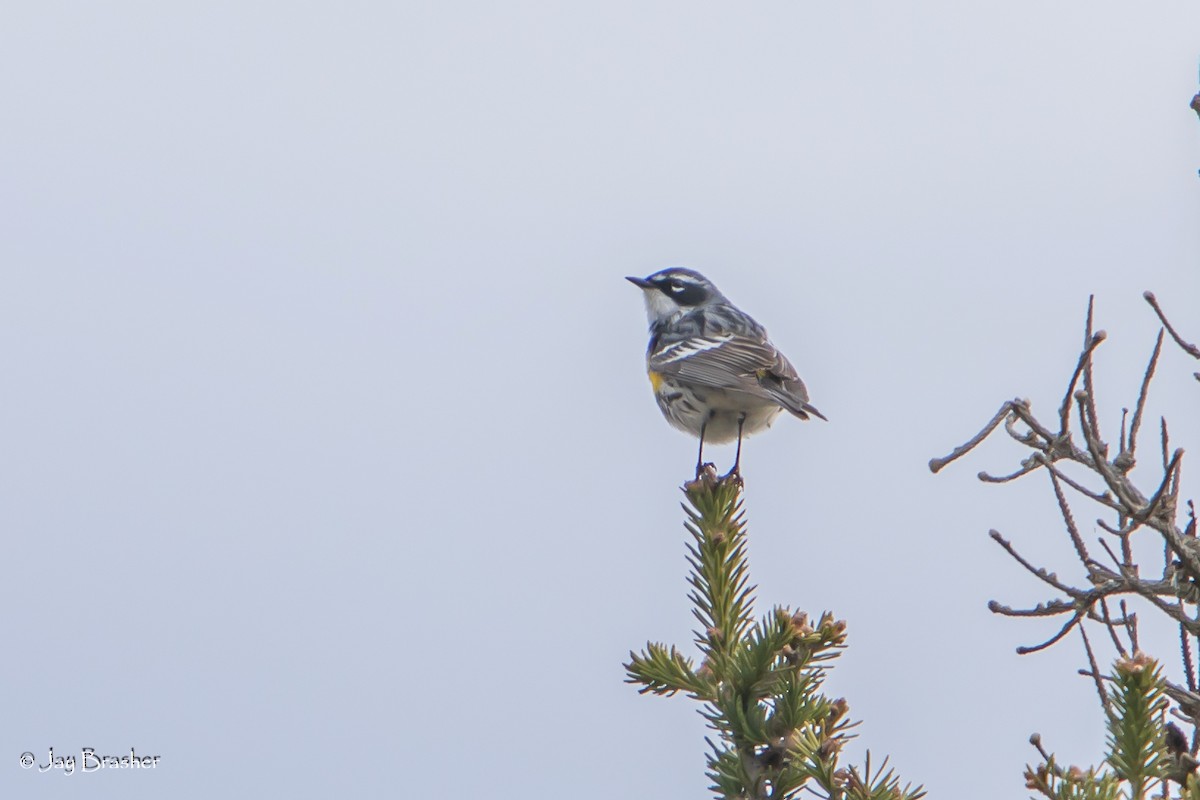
[714, 372]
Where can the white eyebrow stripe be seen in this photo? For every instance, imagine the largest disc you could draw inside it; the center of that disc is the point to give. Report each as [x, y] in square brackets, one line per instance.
[672, 275]
[689, 347]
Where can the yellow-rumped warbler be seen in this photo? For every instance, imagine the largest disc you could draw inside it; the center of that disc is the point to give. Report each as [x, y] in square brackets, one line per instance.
[714, 373]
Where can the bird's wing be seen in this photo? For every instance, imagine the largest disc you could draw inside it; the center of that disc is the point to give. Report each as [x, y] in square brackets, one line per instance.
[735, 363]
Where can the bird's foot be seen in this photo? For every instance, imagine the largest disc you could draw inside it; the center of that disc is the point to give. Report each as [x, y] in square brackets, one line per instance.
[706, 474]
[734, 474]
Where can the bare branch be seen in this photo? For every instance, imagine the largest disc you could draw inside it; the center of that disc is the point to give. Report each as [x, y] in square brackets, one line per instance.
[1041, 574]
[1071, 623]
[1130, 626]
[1073, 531]
[1094, 617]
[1028, 466]
[1189, 702]
[1104, 499]
[1090, 423]
[1036, 741]
[1111, 624]
[1028, 438]
[1185, 650]
[1087, 646]
[1122, 489]
[1176, 591]
[1151, 506]
[1122, 532]
[1051, 608]
[935, 464]
[1141, 401]
[1123, 439]
[1120, 562]
[1187, 347]
[1021, 409]
[1089, 345]
[1165, 437]
[1170, 610]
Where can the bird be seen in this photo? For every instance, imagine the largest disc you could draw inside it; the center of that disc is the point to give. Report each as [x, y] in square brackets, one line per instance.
[714, 372]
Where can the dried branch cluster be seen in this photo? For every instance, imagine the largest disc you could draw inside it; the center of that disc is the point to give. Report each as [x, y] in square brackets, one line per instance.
[1074, 442]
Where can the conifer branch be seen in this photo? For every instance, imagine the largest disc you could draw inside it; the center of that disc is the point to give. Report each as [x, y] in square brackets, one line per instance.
[759, 682]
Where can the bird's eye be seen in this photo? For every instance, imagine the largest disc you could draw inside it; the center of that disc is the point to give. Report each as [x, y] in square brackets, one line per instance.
[675, 286]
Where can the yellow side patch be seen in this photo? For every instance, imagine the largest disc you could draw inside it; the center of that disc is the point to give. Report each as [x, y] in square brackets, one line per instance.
[656, 380]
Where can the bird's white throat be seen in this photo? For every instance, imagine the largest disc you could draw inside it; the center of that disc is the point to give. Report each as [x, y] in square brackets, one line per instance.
[659, 307]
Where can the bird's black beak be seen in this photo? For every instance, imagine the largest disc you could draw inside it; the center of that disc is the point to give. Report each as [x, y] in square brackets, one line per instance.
[641, 283]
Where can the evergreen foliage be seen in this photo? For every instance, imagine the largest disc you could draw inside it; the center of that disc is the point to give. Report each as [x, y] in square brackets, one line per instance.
[1142, 761]
[759, 683]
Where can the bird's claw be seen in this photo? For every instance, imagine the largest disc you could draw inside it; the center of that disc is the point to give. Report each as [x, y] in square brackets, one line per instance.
[706, 474]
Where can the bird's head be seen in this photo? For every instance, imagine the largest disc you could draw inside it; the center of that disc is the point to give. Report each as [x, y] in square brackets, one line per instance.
[675, 291]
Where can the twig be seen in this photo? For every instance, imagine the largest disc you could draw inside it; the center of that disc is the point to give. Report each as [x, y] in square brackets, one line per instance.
[1147, 511]
[1071, 623]
[1172, 611]
[1089, 345]
[1118, 561]
[1026, 468]
[1087, 646]
[1185, 649]
[1125, 561]
[1188, 701]
[1027, 438]
[1072, 530]
[1131, 626]
[1090, 422]
[1051, 608]
[1165, 437]
[1104, 499]
[1047, 759]
[1122, 532]
[1120, 488]
[1188, 348]
[1112, 629]
[1094, 617]
[1021, 409]
[935, 464]
[1141, 401]
[1040, 573]
[1121, 447]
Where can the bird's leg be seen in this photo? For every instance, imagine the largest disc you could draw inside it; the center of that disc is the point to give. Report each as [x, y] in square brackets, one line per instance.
[700, 455]
[737, 459]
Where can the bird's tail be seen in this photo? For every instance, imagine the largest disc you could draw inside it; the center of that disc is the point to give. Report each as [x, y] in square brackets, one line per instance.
[790, 394]
[804, 409]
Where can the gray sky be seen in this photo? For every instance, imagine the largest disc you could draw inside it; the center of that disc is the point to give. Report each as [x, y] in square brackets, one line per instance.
[328, 464]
